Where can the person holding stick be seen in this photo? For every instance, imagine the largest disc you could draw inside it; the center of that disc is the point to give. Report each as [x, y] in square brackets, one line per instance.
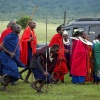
[28, 46]
[9, 58]
[38, 66]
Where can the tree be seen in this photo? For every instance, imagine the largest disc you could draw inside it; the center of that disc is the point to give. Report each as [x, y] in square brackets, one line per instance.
[23, 21]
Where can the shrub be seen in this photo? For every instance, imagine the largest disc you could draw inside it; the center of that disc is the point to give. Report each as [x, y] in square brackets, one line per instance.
[23, 21]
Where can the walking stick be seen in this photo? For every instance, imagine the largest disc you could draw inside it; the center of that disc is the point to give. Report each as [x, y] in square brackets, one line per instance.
[62, 39]
[46, 57]
[32, 15]
[64, 18]
[26, 26]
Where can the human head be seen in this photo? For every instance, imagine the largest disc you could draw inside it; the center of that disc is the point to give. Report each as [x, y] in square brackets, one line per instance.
[60, 30]
[77, 33]
[54, 49]
[11, 23]
[65, 34]
[32, 24]
[83, 34]
[16, 29]
[88, 37]
[98, 37]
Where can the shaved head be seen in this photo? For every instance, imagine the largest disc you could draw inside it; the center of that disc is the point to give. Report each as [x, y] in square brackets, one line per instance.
[12, 22]
[16, 28]
[32, 24]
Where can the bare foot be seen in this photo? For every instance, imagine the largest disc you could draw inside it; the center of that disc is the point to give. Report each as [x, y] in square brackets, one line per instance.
[34, 86]
[21, 77]
[3, 88]
[2, 77]
[26, 81]
[39, 91]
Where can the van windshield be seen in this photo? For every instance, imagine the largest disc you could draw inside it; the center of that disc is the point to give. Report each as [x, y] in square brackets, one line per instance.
[78, 29]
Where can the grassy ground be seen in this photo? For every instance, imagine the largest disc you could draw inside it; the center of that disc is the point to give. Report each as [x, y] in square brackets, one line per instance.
[60, 91]
[66, 91]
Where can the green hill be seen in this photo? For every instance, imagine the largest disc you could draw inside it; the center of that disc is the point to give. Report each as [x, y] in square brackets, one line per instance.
[53, 9]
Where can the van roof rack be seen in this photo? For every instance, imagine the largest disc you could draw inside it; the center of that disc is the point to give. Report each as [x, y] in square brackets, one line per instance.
[88, 19]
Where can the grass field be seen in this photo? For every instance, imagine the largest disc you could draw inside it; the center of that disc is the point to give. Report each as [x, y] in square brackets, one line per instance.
[60, 91]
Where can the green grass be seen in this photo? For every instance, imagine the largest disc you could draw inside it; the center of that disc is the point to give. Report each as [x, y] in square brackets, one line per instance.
[41, 31]
[66, 91]
[60, 91]
[3, 25]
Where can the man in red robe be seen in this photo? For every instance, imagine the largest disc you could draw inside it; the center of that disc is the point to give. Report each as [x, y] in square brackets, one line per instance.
[28, 46]
[61, 67]
[73, 45]
[78, 66]
[7, 30]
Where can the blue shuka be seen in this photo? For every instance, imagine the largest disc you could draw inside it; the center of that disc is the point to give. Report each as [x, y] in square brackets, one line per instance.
[10, 65]
[38, 75]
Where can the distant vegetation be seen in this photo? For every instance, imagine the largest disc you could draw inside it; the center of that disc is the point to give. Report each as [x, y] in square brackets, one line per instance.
[53, 9]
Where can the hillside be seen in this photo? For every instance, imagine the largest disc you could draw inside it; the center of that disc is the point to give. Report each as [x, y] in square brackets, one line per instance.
[54, 9]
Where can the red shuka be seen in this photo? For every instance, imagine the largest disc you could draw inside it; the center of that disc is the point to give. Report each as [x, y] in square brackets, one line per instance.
[24, 44]
[5, 33]
[89, 76]
[74, 42]
[78, 67]
[61, 66]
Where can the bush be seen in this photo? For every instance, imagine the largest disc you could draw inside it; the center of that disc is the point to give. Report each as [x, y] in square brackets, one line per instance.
[23, 21]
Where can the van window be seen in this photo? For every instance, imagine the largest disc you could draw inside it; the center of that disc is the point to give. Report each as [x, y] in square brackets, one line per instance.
[94, 31]
[78, 29]
[68, 31]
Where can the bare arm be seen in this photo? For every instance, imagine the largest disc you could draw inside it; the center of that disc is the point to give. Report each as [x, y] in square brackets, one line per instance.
[40, 66]
[7, 51]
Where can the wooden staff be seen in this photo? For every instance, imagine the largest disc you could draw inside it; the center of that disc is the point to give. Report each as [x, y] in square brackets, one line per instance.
[64, 19]
[16, 47]
[62, 39]
[32, 15]
[26, 26]
[46, 58]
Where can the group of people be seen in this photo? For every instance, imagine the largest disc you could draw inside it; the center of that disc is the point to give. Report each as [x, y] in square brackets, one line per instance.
[79, 57]
[85, 66]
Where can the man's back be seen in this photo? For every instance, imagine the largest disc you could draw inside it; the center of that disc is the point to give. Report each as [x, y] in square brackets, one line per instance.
[5, 33]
